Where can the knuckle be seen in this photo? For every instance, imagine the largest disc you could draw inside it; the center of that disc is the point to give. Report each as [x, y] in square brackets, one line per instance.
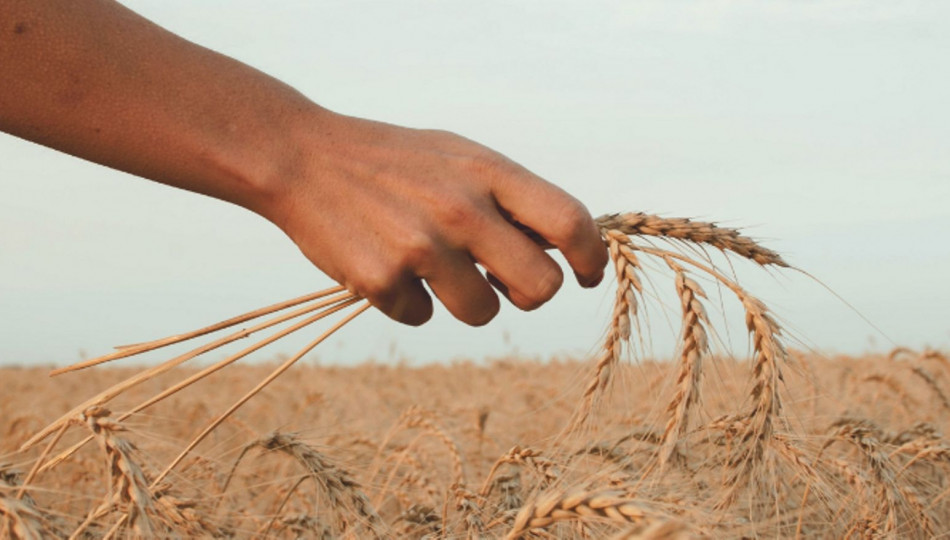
[377, 283]
[417, 251]
[456, 212]
[547, 286]
[443, 135]
[486, 164]
[571, 223]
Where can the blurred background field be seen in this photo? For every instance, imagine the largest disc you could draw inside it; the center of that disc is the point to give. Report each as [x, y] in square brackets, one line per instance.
[869, 432]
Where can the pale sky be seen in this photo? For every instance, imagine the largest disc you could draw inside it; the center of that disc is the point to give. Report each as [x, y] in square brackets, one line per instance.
[823, 128]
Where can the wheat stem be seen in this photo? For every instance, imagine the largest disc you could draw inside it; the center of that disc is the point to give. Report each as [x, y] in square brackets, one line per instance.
[260, 386]
[106, 395]
[124, 351]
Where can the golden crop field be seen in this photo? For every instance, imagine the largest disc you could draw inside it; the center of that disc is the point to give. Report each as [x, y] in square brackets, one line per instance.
[467, 450]
[783, 444]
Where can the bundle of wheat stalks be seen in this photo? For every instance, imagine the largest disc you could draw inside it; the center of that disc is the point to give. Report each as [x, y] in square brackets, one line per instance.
[733, 462]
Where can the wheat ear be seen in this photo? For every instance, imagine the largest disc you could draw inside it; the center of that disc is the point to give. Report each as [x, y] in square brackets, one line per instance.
[545, 469]
[891, 496]
[693, 346]
[616, 230]
[696, 232]
[19, 515]
[768, 354]
[129, 486]
[339, 487]
[626, 267]
[416, 417]
[931, 382]
[609, 505]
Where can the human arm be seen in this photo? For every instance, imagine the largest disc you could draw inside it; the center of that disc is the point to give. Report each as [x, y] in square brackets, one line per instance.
[377, 207]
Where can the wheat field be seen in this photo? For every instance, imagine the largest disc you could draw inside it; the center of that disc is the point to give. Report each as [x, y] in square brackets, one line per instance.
[696, 444]
[476, 449]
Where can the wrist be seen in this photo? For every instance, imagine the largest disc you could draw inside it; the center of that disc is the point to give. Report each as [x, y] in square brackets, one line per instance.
[281, 162]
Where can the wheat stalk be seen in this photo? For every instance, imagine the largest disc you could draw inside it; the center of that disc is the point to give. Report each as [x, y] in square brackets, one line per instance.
[327, 309]
[125, 351]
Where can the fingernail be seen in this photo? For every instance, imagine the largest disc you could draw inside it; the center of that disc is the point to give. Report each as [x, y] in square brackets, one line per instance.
[589, 283]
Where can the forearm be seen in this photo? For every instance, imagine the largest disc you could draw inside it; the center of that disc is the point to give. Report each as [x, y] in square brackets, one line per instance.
[91, 78]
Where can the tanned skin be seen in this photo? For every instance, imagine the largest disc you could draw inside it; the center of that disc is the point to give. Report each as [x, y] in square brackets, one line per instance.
[379, 208]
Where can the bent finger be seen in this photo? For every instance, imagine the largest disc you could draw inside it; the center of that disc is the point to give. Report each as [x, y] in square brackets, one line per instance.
[559, 218]
[463, 290]
[407, 302]
[529, 276]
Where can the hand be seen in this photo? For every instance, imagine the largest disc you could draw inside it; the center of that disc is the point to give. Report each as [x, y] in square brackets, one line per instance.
[377, 207]
[381, 208]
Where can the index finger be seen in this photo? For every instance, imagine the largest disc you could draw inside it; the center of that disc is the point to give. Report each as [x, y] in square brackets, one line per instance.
[556, 217]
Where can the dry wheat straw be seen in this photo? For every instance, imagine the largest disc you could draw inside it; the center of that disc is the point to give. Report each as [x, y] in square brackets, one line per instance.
[125, 351]
[327, 309]
[260, 386]
[105, 396]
